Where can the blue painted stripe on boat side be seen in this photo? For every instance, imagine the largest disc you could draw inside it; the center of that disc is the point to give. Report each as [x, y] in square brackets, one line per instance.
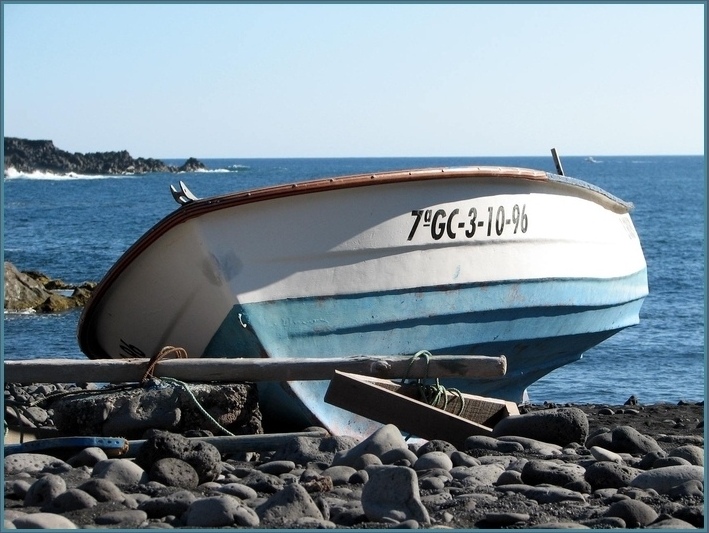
[400, 322]
[469, 304]
[509, 332]
[477, 317]
[535, 340]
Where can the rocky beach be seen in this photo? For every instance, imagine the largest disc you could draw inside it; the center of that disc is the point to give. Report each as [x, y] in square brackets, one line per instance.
[552, 466]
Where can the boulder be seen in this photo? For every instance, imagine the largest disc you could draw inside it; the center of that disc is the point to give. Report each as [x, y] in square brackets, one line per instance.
[544, 493]
[174, 472]
[664, 479]
[538, 472]
[33, 290]
[44, 490]
[103, 490]
[131, 412]
[200, 455]
[55, 303]
[288, 505]
[559, 426]
[481, 476]
[121, 472]
[128, 519]
[391, 495]
[629, 440]
[437, 459]
[634, 513]
[384, 439]
[304, 450]
[483, 442]
[610, 475]
[175, 503]
[43, 521]
[693, 454]
[70, 500]
[21, 291]
[33, 463]
[219, 511]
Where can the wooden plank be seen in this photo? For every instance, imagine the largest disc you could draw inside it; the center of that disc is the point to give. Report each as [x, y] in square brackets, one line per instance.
[373, 399]
[249, 369]
[242, 443]
[225, 444]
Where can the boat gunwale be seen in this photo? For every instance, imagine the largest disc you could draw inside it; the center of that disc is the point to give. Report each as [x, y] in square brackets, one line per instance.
[86, 336]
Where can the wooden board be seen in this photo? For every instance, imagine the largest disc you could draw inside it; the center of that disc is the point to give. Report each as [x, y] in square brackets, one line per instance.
[230, 370]
[225, 445]
[390, 403]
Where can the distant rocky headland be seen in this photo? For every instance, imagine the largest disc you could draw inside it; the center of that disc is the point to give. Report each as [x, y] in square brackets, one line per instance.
[28, 156]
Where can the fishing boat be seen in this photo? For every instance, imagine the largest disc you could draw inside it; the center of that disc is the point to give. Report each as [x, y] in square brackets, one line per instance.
[536, 266]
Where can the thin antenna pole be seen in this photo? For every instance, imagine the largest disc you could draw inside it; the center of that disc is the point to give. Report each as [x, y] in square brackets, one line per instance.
[557, 162]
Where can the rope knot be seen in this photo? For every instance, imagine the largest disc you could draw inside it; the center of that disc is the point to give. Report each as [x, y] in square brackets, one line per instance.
[433, 394]
[168, 352]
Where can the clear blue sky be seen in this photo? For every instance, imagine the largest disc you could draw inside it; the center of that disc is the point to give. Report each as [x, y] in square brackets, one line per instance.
[290, 80]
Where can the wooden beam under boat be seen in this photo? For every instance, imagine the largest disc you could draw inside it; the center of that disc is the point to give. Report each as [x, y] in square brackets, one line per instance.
[251, 369]
[118, 447]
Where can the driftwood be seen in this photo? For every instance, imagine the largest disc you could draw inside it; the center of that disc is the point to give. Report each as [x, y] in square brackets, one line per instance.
[242, 443]
[250, 369]
[393, 403]
[125, 448]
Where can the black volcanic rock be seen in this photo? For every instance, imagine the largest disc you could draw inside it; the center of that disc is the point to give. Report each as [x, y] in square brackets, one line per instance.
[192, 165]
[34, 290]
[30, 156]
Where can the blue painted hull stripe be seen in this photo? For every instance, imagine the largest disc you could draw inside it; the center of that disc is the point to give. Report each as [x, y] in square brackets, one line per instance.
[546, 324]
[307, 325]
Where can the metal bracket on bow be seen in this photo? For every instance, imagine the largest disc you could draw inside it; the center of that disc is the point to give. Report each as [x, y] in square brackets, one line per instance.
[184, 195]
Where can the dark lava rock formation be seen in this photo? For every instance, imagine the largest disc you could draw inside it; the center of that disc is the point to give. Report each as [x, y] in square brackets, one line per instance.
[34, 290]
[29, 156]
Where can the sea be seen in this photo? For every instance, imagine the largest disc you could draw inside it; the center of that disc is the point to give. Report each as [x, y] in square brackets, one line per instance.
[74, 228]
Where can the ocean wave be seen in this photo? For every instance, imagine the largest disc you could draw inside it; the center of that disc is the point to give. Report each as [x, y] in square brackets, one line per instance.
[221, 170]
[11, 173]
[208, 171]
[231, 168]
[16, 312]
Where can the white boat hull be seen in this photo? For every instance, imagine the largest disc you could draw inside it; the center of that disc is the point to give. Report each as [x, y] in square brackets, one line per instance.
[458, 261]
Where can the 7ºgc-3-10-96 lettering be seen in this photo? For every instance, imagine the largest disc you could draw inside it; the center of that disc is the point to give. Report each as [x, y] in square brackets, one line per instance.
[456, 225]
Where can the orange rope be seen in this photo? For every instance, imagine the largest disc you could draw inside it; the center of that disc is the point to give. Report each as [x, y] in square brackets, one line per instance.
[168, 352]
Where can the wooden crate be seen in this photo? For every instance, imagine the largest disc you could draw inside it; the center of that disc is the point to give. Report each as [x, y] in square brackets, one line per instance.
[402, 405]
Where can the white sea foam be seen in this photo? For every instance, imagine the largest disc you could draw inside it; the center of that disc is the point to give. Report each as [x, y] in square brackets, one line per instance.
[12, 173]
[208, 171]
[20, 312]
[229, 168]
